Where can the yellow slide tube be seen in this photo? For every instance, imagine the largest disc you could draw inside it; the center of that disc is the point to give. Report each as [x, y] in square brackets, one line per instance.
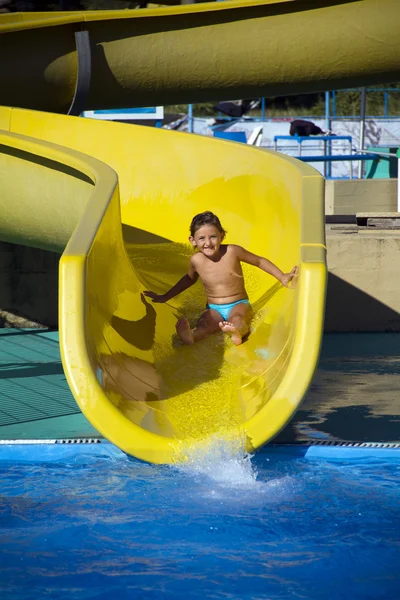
[203, 52]
[124, 201]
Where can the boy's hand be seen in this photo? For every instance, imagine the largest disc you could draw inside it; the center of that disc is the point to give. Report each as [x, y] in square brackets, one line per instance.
[155, 297]
[287, 277]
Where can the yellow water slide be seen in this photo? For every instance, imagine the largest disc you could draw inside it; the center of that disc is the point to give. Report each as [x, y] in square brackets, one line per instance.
[118, 200]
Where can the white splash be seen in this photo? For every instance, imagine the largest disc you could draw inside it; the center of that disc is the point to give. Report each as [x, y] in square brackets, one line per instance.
[223, 461]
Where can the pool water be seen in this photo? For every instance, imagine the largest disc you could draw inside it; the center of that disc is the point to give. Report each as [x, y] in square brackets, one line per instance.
[277, 525]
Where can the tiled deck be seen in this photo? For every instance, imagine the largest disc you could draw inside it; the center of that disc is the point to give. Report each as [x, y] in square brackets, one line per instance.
[35, 400]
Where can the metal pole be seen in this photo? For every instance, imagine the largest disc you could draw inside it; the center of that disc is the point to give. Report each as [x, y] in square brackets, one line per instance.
[190, 118]
[385, 154]
[263, 108]
[327, 165]
[398, 185]
[351, 162]
[386, 101]
[327, 111]
[363, 102]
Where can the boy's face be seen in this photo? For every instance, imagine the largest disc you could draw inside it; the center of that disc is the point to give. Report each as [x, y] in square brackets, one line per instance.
[208, 240]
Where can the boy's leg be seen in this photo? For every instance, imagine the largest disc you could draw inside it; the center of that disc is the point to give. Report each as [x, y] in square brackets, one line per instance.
[238, 323]
[207, 324]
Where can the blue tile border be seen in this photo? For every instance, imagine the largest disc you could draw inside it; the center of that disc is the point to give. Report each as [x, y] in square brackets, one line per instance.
[86, 449]
[44, 451]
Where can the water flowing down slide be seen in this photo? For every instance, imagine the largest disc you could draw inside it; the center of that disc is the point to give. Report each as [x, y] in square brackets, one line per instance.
[118, 200]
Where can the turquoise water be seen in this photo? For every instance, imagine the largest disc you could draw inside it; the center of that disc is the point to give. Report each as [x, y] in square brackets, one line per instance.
[283, 524]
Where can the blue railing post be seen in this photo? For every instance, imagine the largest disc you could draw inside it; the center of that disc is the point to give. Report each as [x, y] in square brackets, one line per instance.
[386, 104]
[334, 104]
[190, 118]
[327, 166]
[263, 108]
[363, 104]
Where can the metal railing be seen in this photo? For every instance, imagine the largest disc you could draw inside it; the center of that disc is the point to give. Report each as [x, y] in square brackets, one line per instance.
[327, 147]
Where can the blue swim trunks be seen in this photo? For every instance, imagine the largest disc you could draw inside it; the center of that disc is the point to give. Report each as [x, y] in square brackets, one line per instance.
[225, 309]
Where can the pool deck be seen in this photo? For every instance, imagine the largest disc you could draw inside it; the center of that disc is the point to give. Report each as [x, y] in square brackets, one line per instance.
[354, 396]
[35, 400]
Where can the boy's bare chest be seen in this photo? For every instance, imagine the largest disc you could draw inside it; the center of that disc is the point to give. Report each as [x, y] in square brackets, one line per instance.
[223, 271]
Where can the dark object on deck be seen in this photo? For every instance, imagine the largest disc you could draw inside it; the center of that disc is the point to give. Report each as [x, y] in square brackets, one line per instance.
[237, 109]
[388, 220]
[340, 219]
[304, 128]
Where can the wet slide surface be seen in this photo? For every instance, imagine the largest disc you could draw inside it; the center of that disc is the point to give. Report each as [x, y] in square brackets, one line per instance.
[135, 383]
[133, 380]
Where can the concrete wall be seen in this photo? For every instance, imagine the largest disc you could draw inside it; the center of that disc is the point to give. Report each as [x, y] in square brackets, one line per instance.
[28, 286]
[364, 281]
[352, 196]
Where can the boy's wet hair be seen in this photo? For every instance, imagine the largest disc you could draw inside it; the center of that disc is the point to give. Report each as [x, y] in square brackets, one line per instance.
[205, 218]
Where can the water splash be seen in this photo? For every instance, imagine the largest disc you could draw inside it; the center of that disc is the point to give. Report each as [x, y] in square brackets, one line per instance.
[223, 461]
[220, 472]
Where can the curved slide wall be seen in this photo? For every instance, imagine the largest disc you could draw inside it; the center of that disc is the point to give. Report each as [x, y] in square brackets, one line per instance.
[156, 392]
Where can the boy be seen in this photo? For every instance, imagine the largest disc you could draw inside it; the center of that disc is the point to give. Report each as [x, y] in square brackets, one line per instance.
[218, 266]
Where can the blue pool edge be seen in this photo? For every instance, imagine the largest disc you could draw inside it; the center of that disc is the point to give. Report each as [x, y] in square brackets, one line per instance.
[43, 451]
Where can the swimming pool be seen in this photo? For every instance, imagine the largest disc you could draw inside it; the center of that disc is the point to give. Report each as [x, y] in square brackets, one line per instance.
[86, 522]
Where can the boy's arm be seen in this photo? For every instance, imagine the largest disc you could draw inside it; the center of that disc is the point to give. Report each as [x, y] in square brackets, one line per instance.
[183, 284]
[265, 264]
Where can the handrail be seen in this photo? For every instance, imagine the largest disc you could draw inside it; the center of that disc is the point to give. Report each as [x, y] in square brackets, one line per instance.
[327, 146]
[384, 154]
[333, 157]
[323, 138]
